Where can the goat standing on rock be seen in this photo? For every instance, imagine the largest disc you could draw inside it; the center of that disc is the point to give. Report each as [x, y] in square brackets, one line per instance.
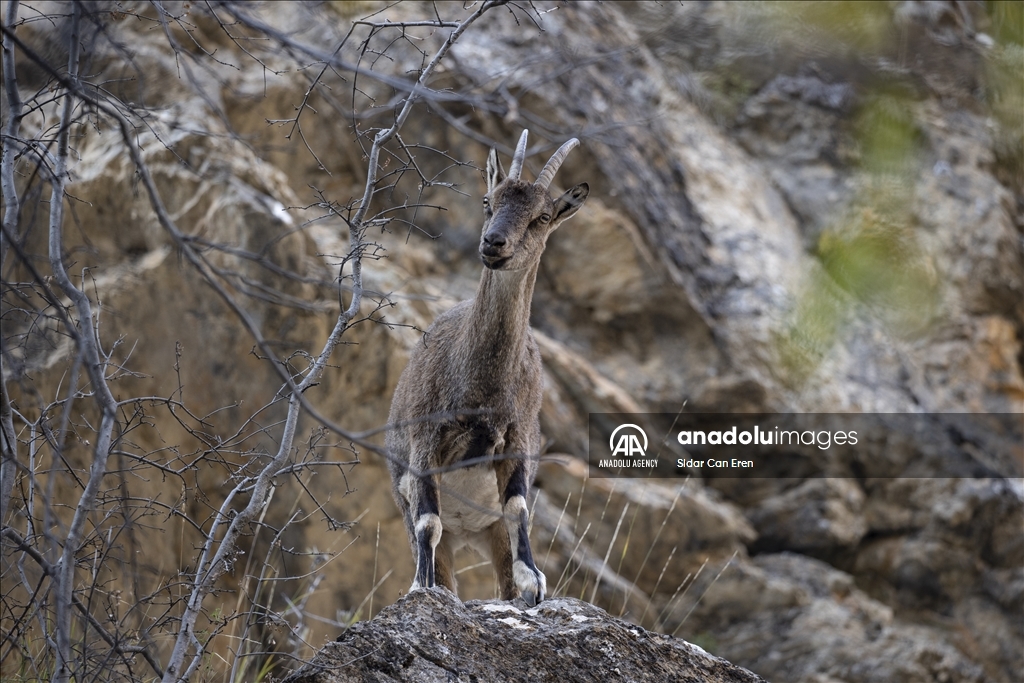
[466, 444]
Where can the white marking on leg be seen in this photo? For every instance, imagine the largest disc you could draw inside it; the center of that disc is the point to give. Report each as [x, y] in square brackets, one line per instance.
[431, 523]
[532, 583]
[428, 525]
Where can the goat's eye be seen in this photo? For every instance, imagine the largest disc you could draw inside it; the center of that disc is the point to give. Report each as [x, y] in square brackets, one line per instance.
[545, 217]
[487, 202]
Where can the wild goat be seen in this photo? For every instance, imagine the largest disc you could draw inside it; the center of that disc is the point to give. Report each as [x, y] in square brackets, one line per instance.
[465, 449]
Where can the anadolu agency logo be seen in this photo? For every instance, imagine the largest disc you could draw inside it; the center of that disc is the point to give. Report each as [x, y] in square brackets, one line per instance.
[628, 446]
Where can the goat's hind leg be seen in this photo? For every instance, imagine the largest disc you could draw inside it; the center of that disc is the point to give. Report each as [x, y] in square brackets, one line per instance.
[529, 580]
[444, 565]
[501, 559]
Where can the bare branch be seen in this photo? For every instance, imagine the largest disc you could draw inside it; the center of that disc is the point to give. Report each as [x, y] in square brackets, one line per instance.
[407, 24]
[107, 426]
[8, 442]
[94, 367]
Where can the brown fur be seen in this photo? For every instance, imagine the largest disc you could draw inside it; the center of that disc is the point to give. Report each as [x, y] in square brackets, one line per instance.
[473, 389]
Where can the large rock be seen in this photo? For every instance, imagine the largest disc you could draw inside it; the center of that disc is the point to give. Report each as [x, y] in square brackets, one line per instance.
[792, 618]
[817, 515]
[430, 636]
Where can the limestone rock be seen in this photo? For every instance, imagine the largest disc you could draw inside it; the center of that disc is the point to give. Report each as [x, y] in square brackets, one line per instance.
[817, 515]
[797, 619]
[429, 636]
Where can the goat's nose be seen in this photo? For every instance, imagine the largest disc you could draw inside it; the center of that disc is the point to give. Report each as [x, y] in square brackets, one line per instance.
[492, 239]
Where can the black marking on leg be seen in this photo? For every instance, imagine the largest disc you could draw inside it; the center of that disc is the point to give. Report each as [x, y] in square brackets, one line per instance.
[428, 502]
[427, 532]
[523, 551]
[516, 484]
[425, 558]
[529, 580]
[517, 487]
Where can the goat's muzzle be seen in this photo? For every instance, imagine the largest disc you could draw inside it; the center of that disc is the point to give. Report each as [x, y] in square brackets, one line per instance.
[494, 262]
[492, 250]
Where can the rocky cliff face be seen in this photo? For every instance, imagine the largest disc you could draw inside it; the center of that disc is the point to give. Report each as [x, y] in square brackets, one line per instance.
[816, 215]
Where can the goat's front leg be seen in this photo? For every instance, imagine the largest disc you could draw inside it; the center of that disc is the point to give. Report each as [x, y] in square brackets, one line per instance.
[426, 509]
[529, 580]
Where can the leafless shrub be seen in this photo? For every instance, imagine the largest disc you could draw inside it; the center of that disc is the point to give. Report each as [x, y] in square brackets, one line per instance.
[80, 597]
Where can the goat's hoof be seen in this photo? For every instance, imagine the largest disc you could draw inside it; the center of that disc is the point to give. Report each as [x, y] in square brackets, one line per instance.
[531, 582]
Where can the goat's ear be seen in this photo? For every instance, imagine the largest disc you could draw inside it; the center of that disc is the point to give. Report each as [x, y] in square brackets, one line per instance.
[495, 173]
[569, 203]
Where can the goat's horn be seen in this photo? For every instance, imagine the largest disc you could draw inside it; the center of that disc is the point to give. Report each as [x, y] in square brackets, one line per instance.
[551, 168]
[517, 159]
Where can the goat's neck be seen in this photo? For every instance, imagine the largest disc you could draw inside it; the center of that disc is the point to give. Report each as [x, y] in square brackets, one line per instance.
[500, 320]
